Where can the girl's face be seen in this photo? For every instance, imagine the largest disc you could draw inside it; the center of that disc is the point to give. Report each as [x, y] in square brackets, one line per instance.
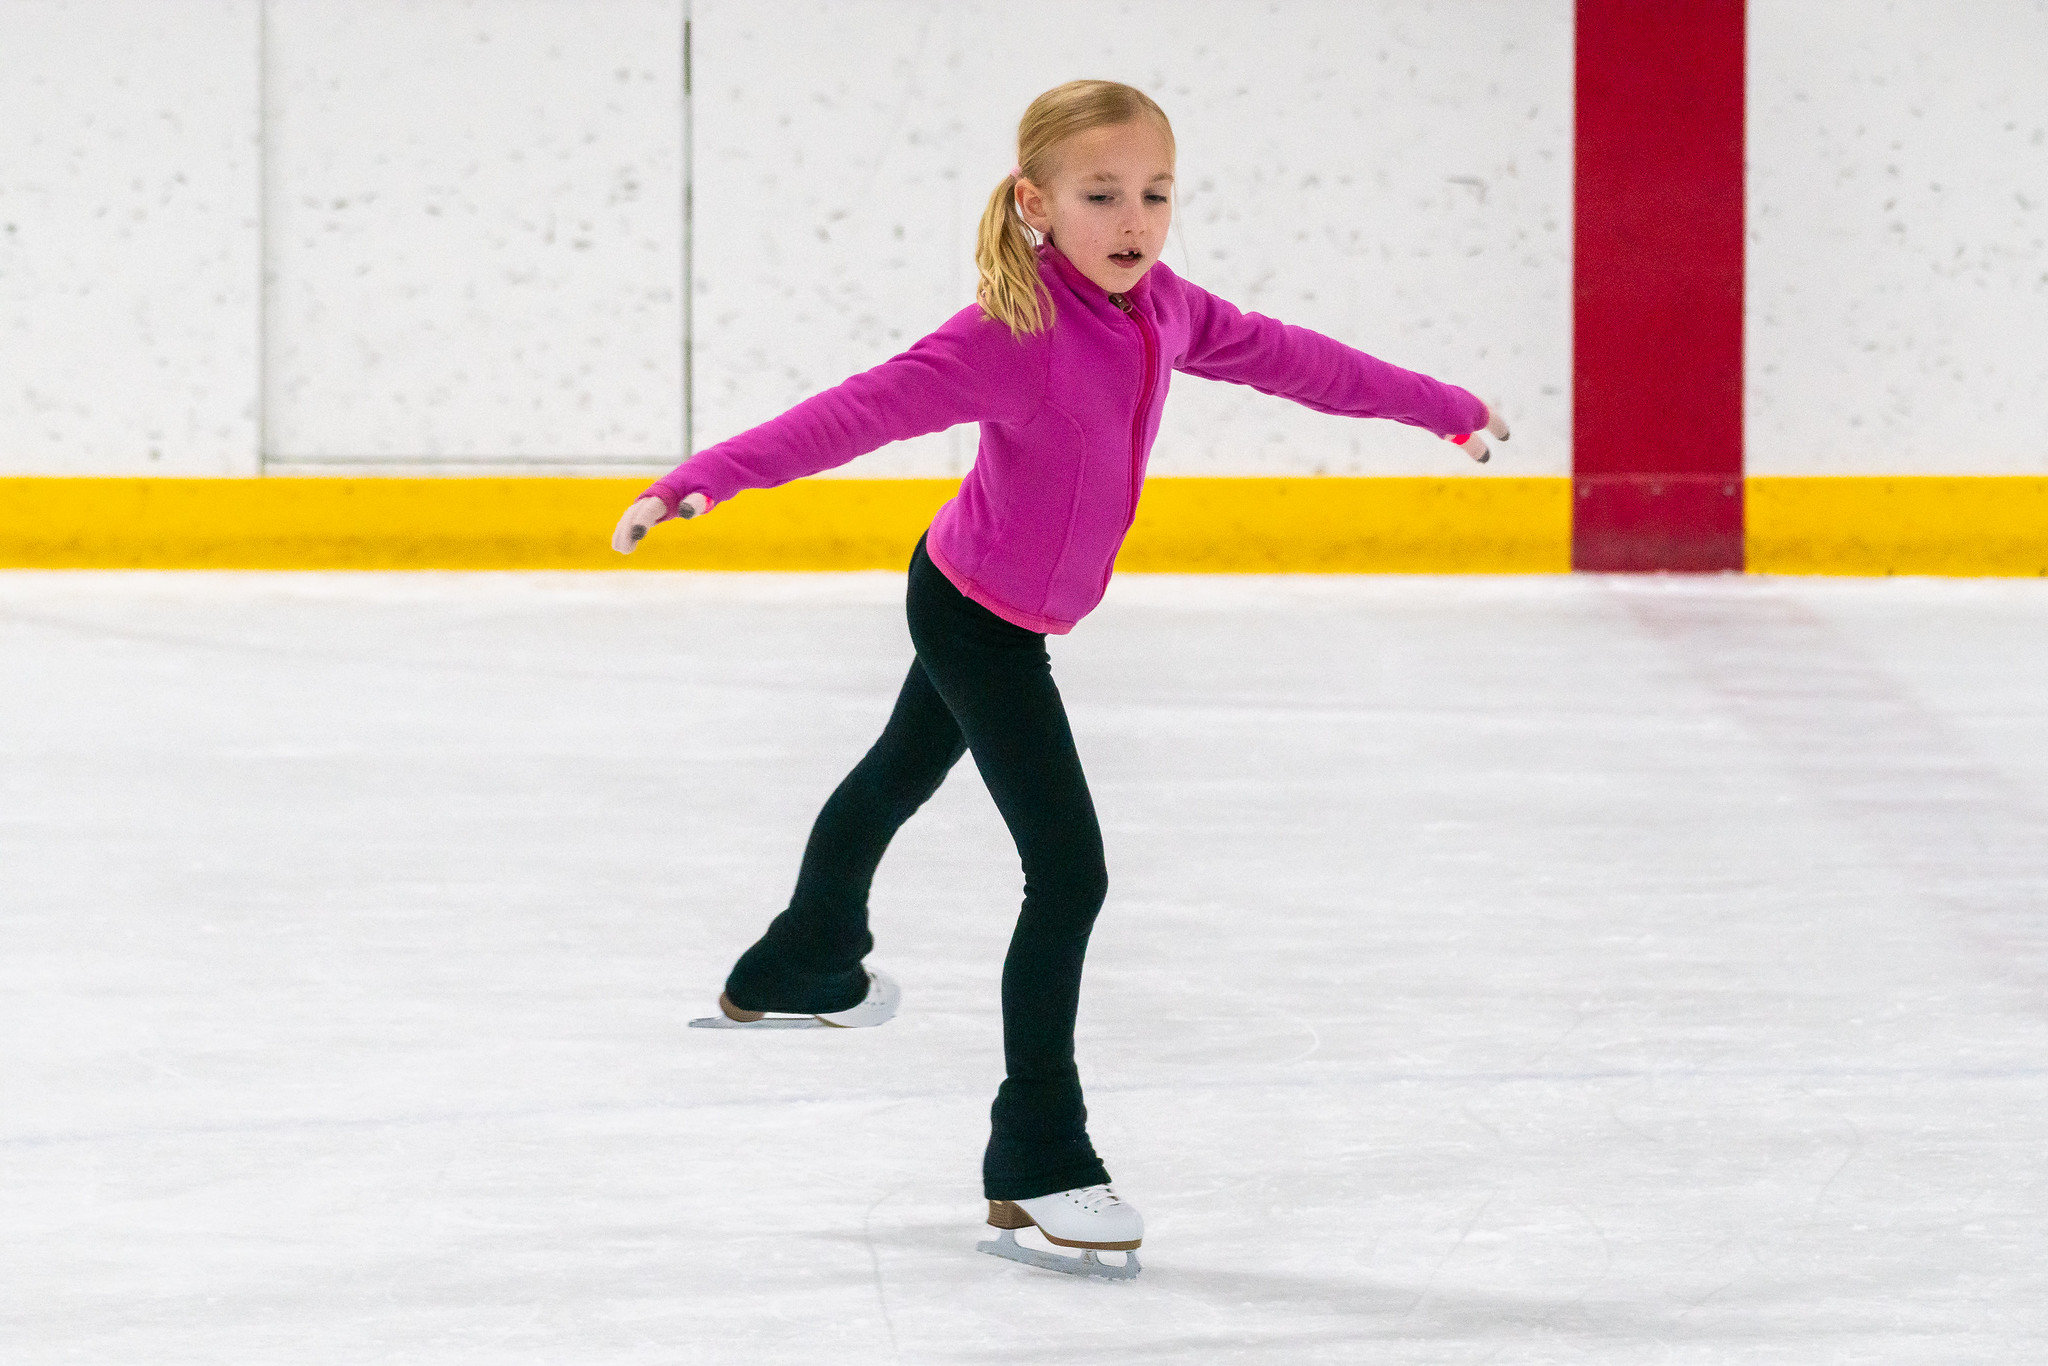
[1109, 203]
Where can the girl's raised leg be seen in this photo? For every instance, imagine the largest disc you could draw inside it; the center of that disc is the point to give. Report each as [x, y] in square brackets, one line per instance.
[809, 961]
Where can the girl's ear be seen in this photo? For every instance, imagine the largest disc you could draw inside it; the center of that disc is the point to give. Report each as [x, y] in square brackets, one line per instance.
[1031, 204]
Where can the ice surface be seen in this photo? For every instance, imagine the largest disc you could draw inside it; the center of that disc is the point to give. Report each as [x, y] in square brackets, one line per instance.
[1511, 970]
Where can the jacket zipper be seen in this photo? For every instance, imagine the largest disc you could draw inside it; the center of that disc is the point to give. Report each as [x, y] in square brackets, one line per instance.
[1144, 400]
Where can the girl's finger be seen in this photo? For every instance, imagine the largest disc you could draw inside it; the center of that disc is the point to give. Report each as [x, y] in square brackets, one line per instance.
[1496, 424]
[634, 525]
[1473, 445]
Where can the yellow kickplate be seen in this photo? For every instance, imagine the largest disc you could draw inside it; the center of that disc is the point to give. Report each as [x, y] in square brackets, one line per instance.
[1304, 525]
[1353, 526]
[515, 523]
[1990, 525]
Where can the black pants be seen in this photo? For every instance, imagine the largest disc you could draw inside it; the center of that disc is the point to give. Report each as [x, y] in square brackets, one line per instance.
[979, 685]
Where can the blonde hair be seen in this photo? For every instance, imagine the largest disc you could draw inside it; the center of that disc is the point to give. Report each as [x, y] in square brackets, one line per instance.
[1009, 290]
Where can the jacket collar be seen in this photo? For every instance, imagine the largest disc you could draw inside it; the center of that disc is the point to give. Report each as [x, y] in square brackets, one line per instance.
[1086, 287]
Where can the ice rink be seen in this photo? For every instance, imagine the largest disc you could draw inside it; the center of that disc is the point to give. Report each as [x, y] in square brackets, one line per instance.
[1563, 969]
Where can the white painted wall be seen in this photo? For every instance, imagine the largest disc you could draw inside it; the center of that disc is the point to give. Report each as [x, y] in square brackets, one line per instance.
[470, 219]
[128, 262]
[474, 231]
[471, 230]
[1396, 173]
[1898, 237]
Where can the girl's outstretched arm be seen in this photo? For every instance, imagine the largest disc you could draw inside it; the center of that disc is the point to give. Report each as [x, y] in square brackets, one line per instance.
[970, 370]
[1324, 374]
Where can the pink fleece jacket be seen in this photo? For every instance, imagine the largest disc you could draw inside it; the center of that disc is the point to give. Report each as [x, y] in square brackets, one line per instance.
[1067, 421]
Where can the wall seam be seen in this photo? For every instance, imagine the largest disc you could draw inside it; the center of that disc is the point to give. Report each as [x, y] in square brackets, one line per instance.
[689, 239]
[262, 237]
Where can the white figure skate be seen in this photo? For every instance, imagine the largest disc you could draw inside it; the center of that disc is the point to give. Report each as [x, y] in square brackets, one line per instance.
[1091, 1218]
[877, 1007]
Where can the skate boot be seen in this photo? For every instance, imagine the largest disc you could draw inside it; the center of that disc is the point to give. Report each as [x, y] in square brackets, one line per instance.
[877, 1007]
[1092, 1219]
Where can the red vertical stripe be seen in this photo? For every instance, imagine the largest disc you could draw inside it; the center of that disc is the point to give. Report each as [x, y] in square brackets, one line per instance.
[1657, 286]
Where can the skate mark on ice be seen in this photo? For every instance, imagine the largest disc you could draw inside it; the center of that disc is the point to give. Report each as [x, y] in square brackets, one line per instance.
[1215, 1046]
[1550, 1316]
[459, 664]
[1820, 1195]
[867, 1236]
[430, 1119]
[1429, 1282]
[1369, 1319]
[1315, 1038]
[1579, 1017]
[1965, 836]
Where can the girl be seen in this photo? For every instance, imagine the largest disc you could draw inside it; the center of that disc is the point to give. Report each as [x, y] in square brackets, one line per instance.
[1064, 362]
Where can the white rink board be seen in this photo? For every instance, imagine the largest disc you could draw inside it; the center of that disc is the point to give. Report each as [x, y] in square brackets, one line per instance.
[469, 218]
[1898, 238]
[1528, 970]
[128, 237]
[475, 231]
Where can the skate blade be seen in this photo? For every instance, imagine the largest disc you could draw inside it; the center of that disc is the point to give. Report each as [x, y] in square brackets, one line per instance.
[772, 1022]
[1006, 1246]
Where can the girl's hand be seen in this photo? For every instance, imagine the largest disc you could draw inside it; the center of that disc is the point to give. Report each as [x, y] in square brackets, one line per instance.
[641, 517]
[1475, 444]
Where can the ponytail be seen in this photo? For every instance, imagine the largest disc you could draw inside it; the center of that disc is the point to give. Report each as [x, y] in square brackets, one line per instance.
[1009, 289]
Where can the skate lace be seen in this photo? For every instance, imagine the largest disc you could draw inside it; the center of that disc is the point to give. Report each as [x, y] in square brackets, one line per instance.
[1094, 1199]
